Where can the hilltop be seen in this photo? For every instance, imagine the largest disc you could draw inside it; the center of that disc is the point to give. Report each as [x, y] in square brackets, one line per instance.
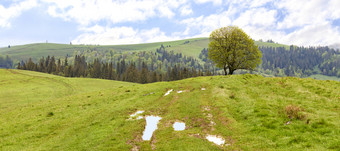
[250, 112]
[190, 47]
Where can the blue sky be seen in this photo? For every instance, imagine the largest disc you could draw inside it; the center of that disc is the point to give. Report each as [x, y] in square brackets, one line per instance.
[303, 22]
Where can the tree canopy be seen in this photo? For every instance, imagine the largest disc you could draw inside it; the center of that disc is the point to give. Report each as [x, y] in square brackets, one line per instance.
[231, 48]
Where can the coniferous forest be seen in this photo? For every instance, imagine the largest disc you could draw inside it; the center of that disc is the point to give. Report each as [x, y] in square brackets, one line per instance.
[297, 61]
[163, 65]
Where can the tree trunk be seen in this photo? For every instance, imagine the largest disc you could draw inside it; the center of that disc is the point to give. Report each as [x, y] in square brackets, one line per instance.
[231, 71]
[225, 70]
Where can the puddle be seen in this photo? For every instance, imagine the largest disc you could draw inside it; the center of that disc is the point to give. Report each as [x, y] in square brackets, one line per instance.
[215, 139]
[151, 126]
[179, 91]
[202, 89]
[167, 93]
[178, 126]
[135, 114]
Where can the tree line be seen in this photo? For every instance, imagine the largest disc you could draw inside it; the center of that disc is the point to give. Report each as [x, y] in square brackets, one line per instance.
[6, 62]
[301, 61]
[121, 71]
[297, 61]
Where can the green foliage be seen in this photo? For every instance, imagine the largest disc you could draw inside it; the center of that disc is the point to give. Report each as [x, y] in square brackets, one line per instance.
[6, 62]
[178, 67]
[303, 61]
[231, 48]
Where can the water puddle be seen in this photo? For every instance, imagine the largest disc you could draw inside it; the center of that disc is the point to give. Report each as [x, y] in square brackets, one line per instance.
[167, 93]
[215, 139]
[151, 126]
[135, 114]
[178, 126]
[202, 89]
[179, 91]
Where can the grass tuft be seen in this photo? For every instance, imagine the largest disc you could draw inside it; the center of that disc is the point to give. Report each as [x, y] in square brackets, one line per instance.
[295, 112]
[49, 114]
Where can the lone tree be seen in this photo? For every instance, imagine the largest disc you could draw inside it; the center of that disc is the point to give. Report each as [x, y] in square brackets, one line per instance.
[231, 49]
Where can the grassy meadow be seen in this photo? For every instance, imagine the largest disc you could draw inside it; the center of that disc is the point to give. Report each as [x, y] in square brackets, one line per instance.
[189, 47]
[46, 112]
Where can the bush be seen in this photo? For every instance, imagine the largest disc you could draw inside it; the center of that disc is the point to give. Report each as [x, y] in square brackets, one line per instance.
[295, 112]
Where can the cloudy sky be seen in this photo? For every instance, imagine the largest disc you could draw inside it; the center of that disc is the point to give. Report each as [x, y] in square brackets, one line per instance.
[299, 22]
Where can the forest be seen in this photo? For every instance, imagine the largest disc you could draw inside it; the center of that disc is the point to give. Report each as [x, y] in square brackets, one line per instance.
[6, 62]
[163, 65]
[297, 61]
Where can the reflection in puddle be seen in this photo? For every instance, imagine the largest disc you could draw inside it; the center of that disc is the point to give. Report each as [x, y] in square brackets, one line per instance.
[179, 126]
[215, 139]
[151, 126]
[167, 93]
[135, 114]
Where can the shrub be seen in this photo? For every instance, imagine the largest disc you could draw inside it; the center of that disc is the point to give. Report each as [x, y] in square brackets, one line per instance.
[295, 112]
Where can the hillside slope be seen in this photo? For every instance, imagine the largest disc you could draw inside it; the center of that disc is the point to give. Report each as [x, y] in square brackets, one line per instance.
[189, 47]
[247, 111]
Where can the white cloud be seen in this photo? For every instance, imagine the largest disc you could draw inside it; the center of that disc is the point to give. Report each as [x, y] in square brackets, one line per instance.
[203, 26]
[215, 2]
[186, 10]
[6, 14]
[308, 12]
[120, 35]
[91, 11]
[257, 17]
[258, 3]
[311, 35]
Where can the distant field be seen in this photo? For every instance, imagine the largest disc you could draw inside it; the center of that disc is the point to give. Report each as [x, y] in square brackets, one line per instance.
[36, 51]
[267, 44]
[323, 77]
[189, 47]
[46, 112]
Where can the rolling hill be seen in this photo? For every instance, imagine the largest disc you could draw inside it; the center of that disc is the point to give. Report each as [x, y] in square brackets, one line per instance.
[249, 112]
[300, 62]
[189, 47]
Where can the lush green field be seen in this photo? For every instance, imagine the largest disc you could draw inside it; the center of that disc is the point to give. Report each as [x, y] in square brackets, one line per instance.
[36, 51]
[189, 47]
[324, 77]
[268, 44]
[46, 112]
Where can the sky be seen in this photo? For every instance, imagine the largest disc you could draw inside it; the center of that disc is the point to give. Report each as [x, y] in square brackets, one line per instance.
[109, 22]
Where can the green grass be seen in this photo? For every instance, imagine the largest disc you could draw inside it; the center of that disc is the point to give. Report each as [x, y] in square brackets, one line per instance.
[268, 44]
[36, 51]
[21, 87]
[248, 111]
[324, 77]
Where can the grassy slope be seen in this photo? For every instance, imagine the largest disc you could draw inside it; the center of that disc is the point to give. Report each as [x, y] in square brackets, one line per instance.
[193, 48]
[267, 44]
[23, 52]
[22, 87]
[324, 77]
[247, 110]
